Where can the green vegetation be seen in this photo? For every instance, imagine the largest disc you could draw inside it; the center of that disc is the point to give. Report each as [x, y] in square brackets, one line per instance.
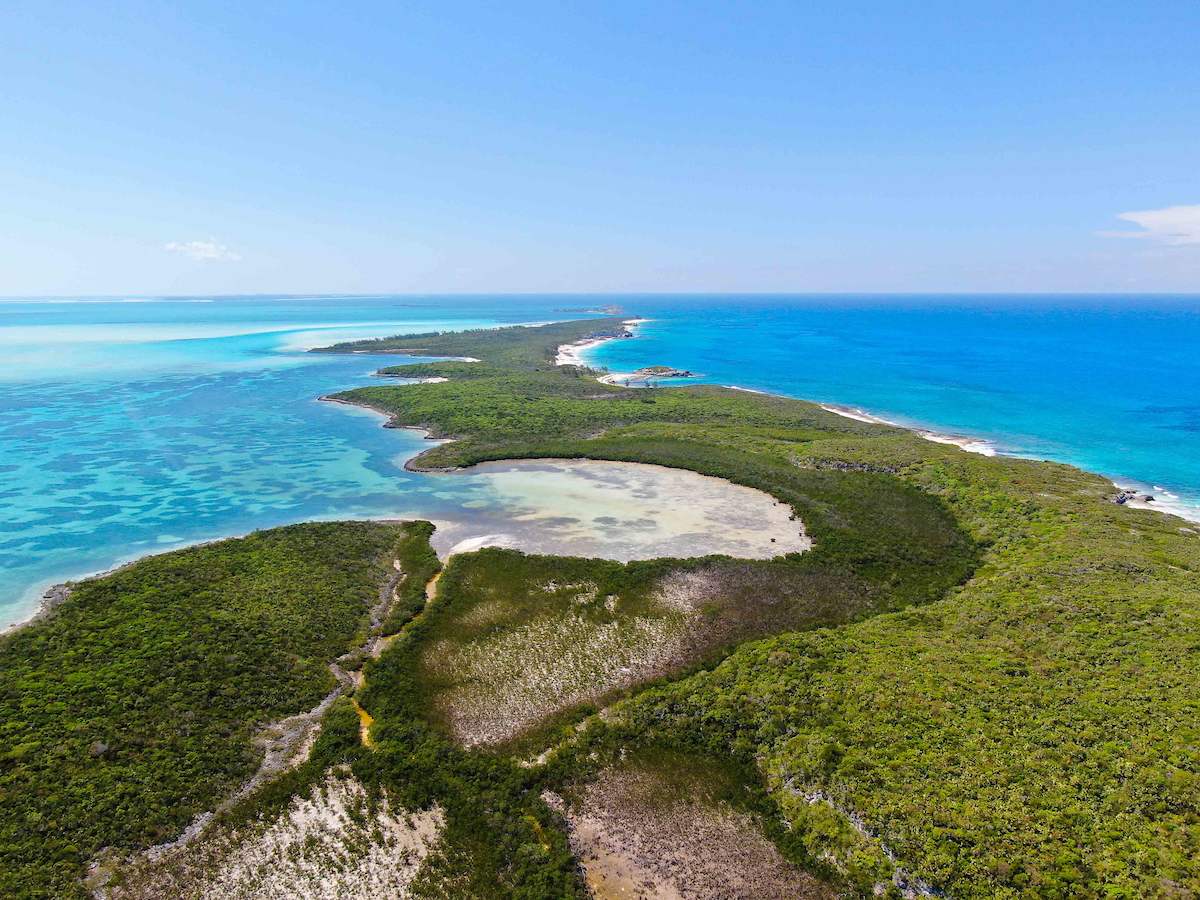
[884, 543]
[517, 346]
[1026, 730]
[984, 677]
[519, 641]
[131, 709]
[419, 563]
[1034, 734]
[489, 662]
[500, 840]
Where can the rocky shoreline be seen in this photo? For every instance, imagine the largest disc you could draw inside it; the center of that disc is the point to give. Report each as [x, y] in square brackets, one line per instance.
[1131, 495]
[646, 376]
[54, 597]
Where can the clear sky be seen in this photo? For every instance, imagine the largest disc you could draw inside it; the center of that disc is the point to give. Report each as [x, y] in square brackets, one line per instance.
[195, 147]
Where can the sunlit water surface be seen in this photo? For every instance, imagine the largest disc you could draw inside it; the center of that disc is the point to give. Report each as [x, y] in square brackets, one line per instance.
[131, 427]
[128, 428]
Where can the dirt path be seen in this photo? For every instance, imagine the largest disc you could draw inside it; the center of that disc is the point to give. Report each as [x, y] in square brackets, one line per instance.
[285, 743]
[365, 719]
[431, 588]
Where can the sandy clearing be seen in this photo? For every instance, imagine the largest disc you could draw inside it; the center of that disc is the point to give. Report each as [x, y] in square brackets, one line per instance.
[330, 844]
[516, 679]
[632, 846]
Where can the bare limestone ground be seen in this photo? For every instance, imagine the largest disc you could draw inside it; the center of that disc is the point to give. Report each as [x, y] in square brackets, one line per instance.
[633, 841]
[517, 644]
[334, 843]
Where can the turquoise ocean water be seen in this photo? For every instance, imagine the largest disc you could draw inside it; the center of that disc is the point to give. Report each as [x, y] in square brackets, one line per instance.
[130, 427]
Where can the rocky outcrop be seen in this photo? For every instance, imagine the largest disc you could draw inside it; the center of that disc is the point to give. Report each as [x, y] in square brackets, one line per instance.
[664, 372]
[1127, 495]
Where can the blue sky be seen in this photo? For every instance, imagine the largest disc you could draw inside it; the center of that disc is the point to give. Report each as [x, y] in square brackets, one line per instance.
[231, 147]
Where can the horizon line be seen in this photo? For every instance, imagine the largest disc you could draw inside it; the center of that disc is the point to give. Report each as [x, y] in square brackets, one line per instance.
[285, 295]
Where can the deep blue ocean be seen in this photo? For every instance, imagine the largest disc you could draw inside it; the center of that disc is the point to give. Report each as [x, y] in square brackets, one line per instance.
[128, 427]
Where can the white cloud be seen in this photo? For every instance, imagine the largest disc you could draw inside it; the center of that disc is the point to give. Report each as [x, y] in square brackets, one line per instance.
[1175, 226]
[205, 251]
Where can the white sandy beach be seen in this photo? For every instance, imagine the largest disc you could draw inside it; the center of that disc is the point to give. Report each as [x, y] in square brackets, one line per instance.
[970, 444]
[1164, 501]
[572, 354]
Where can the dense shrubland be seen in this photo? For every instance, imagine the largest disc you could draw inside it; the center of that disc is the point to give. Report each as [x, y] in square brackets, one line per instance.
[419, 563]
[1029, 730]
[515, 346]
[983, 667]
[131, 708]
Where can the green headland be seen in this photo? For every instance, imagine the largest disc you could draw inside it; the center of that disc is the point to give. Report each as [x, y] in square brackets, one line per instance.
[982, 680]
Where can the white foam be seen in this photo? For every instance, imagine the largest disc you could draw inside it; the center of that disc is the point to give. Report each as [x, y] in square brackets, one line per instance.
[856, 414]
[1164, 501]
[970, 444]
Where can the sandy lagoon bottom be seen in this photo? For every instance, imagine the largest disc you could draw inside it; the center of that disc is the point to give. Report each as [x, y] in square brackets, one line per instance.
[617, 510]
[590, 508]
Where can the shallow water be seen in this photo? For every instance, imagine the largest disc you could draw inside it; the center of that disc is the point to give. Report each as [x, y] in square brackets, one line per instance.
[119, 437]
[618, 511]
[132, 427]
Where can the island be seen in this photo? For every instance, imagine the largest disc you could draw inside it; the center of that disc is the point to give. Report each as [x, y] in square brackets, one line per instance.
[976, 677]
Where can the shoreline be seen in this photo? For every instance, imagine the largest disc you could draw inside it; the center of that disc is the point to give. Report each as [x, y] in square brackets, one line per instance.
[50, 593]
[572, 354]
[425, 432]
[982, 446]
[1165, 501]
